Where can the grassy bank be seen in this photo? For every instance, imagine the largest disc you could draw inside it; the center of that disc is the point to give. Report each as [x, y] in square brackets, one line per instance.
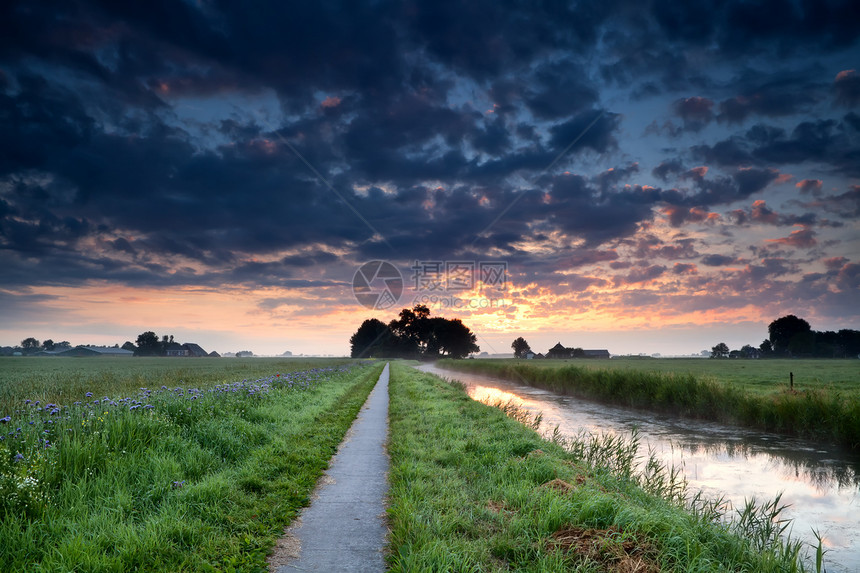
[474, 490]
[180, 478]
[814, 409]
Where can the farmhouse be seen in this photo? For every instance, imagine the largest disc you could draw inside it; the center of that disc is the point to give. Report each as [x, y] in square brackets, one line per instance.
[558, 351]
[187, 349]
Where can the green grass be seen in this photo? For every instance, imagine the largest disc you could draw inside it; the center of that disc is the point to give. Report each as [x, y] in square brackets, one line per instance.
[475, 490]
[64, 380]
[762, 376]
[204, 480]
[823, 405]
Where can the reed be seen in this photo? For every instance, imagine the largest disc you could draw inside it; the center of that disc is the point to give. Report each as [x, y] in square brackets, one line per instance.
[822, 413]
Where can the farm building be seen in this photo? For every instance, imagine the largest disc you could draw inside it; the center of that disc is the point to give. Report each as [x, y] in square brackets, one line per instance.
[194, 349]
[596, 353]
[187, 349]
[79, 351]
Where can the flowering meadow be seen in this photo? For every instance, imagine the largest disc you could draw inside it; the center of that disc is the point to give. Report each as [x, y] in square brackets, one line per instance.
[176, 477]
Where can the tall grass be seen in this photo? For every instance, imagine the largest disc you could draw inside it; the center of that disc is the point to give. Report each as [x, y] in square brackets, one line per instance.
[171, 478]
[822, 414]
[475, 490]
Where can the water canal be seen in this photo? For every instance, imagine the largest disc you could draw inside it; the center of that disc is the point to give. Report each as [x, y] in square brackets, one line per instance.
[820, 484]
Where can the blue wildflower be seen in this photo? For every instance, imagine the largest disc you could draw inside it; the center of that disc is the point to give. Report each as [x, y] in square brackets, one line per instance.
[89, 394]
[19, 457]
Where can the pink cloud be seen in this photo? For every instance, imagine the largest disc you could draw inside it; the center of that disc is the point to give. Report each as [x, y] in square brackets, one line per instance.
[330, 102]
[835, 263]
[809, 185]
[802, 238]
[685, 269]
[762, 214]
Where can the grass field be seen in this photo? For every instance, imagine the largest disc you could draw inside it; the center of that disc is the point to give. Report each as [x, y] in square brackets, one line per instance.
[202, 475]
[824, 403]
[475, 490]
[64, 380]
[763, 376]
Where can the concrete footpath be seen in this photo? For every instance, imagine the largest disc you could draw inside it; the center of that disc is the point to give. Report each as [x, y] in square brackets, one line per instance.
[343, 529]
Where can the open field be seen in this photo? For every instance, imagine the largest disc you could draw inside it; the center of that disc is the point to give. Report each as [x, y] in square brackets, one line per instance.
[202, 475]
[764, 375]
[824, 404]
[475, 490]
[64, 380]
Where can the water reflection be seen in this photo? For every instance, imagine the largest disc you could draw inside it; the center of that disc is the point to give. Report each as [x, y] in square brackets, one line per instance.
[821, 485]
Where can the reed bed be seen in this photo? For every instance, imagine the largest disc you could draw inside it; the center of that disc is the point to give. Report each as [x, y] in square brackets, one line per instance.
[820, 413]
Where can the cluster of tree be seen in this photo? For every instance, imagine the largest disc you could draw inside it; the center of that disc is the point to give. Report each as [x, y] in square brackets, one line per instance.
[32, 345]
[148, 344]
[413, 335]
[791, 336]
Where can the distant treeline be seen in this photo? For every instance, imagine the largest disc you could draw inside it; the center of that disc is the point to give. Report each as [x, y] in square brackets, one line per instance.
[792, 337]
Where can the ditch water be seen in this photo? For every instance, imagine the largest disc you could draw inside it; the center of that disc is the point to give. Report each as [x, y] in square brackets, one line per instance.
[820, 484]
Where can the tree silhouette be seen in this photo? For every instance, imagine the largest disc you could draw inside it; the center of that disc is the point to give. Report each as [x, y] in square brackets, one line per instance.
[520, 347]
[783, 330]
[148, 344]
[370, 340]
[30, 344]
[721, 350]
[454, 338]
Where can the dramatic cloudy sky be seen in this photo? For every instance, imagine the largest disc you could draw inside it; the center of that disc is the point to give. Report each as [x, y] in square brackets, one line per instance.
[658, 176]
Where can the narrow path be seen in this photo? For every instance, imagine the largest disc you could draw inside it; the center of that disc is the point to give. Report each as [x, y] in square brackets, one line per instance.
[344, 529]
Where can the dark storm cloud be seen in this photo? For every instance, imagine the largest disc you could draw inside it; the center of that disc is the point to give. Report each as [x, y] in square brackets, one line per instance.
[560, 89]
[778, 96]
[591, 129]
[717, 260]
[133, 149]
[696, 112]
[580, 209]
[666, 169]
[826, 141]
